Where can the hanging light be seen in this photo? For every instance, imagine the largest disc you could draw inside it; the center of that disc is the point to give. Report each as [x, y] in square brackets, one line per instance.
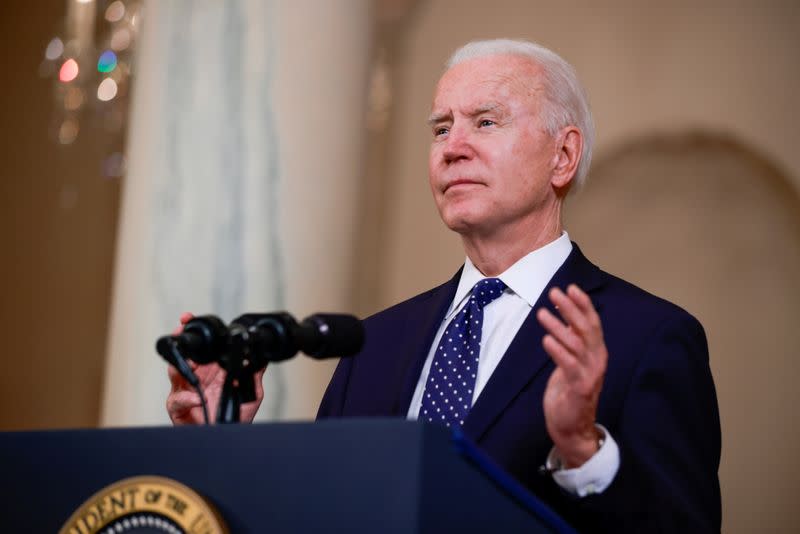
[68, 131]
[107, 62]
[69, 71]
[115, 11]
[81, 70]
[54, 49]
[106, 90]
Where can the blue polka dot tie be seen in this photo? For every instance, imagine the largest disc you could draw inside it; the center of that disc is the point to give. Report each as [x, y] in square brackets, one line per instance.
[451, 381]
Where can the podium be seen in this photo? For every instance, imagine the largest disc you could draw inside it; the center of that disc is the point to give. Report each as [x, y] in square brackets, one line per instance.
[350, 475]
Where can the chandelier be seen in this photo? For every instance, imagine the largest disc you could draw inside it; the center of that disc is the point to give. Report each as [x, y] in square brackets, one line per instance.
[90, 64]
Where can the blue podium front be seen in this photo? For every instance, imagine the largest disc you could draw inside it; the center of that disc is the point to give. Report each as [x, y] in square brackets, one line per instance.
[356, 475]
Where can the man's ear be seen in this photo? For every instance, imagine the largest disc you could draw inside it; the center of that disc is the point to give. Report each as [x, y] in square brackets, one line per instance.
[569, 146]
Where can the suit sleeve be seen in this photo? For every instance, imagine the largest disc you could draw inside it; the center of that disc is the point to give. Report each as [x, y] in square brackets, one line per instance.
[669, 439]
[332, 404]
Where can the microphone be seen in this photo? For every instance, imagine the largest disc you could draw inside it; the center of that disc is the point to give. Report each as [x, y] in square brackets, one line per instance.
[331, 335]
[252, 341]
[261, 338]
[204, 339]
[272, 337]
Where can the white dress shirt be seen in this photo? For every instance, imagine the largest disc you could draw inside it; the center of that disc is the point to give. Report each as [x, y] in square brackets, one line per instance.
[502, 319]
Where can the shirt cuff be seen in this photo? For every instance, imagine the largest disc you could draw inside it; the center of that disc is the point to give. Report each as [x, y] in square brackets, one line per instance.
[594, 476]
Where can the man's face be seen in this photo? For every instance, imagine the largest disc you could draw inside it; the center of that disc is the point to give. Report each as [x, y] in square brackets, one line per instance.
[490, 159]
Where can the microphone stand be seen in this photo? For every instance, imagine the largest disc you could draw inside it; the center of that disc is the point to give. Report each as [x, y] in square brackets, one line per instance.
[230, 402]
[240, 369]
[249, 343]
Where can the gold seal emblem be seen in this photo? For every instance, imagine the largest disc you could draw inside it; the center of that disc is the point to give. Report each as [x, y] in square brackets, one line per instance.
[145, 504]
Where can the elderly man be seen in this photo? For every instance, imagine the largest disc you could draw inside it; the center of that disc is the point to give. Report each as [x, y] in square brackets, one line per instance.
[542, 358]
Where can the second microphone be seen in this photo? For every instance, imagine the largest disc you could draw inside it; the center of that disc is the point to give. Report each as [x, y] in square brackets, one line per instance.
[255, 339]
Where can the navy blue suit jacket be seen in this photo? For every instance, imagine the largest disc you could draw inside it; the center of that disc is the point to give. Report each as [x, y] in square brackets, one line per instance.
[658, 401]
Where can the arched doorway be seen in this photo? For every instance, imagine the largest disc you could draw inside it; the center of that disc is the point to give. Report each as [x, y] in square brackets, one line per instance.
[708, 223]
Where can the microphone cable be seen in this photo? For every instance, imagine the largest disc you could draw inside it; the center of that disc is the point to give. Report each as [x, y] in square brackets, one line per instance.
[187, 373]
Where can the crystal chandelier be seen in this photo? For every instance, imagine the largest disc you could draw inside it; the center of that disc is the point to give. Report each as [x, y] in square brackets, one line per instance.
[90, 63]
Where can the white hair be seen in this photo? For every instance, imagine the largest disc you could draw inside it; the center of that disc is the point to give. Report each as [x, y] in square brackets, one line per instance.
[567, 102]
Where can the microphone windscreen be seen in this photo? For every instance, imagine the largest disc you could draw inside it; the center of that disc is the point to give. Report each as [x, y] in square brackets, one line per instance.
[341, 335]
[204, 339]
[163, 347]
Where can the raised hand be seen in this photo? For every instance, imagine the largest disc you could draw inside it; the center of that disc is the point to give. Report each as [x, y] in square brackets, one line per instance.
[577, 347]
[183, 402]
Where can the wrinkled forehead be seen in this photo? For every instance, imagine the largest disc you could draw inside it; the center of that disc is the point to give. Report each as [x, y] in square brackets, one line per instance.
[501, 77]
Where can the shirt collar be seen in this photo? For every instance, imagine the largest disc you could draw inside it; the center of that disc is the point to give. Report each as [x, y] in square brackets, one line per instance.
[527, 278]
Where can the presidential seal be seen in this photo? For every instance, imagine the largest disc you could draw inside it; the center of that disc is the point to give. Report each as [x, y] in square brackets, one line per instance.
[147, 504]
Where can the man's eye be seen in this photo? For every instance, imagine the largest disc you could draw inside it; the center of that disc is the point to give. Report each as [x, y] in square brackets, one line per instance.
[441, 130]
[485, 122]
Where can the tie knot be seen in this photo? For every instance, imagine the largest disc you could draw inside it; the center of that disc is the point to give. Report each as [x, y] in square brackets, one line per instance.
[487, 290]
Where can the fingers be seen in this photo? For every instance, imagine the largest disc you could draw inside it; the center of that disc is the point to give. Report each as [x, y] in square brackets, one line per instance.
[259, 375]
[580, 298]
[184, 318]
[577, 310]
[180, 404]
[574, 315]
[177, 381]
[561, 332]
[562, 357]
[209, 373]
[584, 303]
[183, 402]
[576, 343]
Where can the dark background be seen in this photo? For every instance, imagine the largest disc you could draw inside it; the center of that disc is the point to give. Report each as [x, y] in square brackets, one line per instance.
[58, 226]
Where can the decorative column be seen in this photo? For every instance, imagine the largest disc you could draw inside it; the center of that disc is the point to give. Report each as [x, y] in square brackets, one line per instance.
[242, 187]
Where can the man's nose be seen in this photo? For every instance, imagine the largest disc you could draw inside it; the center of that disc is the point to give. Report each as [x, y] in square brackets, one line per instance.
[458, 145]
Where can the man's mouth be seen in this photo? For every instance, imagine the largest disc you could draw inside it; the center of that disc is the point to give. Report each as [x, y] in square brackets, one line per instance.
[460, 181]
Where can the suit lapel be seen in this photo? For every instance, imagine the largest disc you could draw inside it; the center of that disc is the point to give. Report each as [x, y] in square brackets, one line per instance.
[421, 326]
[525, 357]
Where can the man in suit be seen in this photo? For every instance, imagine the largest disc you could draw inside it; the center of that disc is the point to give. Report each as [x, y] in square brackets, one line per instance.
[593, 393]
